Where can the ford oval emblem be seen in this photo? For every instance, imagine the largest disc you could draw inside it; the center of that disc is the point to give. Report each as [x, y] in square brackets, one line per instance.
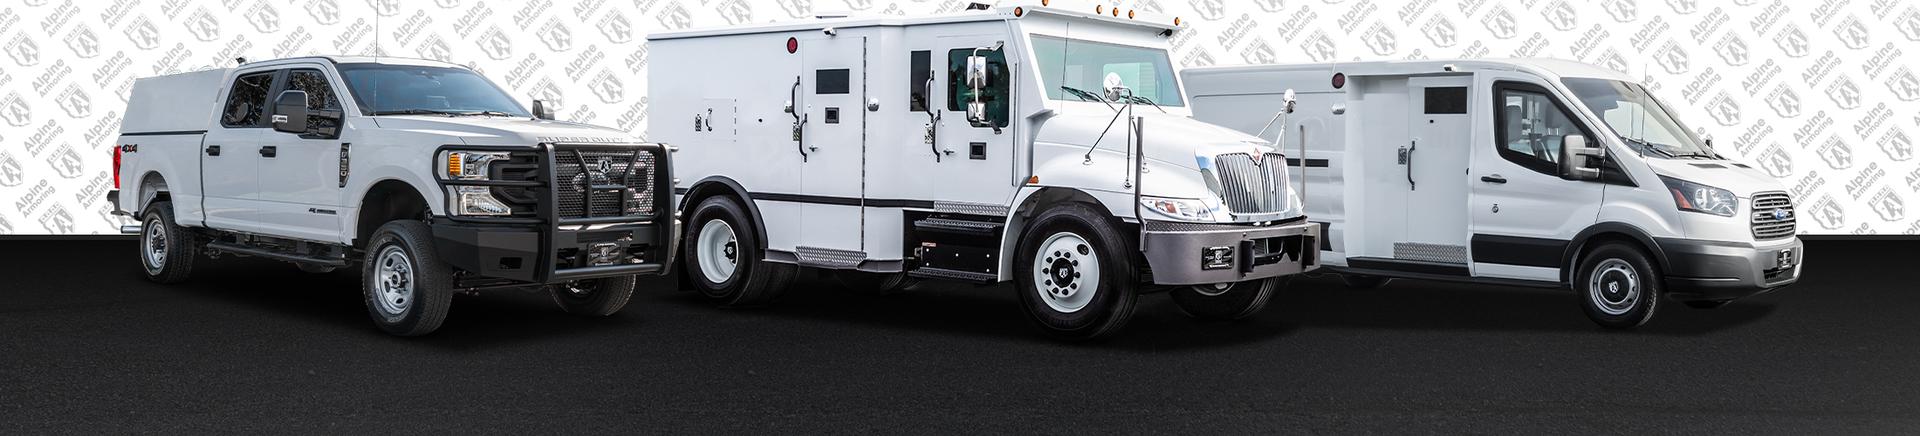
[1782, 214]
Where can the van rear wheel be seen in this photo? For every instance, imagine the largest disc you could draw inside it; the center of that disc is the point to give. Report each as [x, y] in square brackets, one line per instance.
[1227, 301]
[1075, 274]
[1619, 288]
[722, 256]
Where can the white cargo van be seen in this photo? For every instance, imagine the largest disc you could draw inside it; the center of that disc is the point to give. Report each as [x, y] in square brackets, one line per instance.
[424, 172]
[1531, 172]
[1045, 143]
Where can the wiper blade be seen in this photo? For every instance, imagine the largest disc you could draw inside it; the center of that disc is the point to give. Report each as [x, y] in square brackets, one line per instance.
[1086, 95]
[1644, 145]
[489, 113]
[1139, 99]
[415, 111]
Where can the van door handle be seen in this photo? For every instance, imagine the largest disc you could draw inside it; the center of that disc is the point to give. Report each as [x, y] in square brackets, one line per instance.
[1494, 179]
[213, 150]
[269, 151]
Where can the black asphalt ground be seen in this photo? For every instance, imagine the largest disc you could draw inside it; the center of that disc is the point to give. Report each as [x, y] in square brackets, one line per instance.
[252, 346]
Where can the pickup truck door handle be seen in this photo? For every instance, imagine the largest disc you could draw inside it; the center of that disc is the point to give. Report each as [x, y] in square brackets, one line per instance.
[1494, 179]
[269, 151]
[213, 150]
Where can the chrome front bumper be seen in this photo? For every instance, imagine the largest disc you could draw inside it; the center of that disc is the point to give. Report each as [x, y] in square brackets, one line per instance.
[1194, 254]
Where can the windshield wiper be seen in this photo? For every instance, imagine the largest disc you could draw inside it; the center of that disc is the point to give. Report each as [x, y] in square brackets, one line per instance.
[1139, 99]
[1086, 95]
[415, 111]
[489, 113]
[1644, 145]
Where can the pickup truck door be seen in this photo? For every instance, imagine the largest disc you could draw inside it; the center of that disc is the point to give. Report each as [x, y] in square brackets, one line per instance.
[300, 183]
[229, 159]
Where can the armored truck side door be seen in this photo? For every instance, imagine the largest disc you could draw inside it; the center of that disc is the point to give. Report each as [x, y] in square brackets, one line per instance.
[832, 102]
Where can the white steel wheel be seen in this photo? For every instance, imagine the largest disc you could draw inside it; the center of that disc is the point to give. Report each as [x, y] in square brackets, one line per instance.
[394, 282]
[1066, 272]
[154, 244]
[718, 249]
[1614, 287]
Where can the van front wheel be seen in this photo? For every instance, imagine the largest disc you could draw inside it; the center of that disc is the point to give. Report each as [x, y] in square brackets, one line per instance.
[1618, 287]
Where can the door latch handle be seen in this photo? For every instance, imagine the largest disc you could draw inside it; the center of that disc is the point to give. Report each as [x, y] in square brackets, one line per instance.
[1406, 157]
[1494, 179]
[269, 151]
[213, 150]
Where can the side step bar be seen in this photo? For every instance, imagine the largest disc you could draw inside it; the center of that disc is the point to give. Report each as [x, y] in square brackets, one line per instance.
[957, 275]
[270, 254]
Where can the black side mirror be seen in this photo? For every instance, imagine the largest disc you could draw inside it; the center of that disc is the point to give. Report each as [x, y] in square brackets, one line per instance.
[290, 112]
[543, 109]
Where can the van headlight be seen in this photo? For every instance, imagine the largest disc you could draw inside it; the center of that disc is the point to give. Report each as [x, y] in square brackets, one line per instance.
[1178, 208]
[472, 165]
[1695, 197]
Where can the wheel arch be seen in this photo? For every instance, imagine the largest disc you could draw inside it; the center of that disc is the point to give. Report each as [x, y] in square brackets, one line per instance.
[153, 187]
[1604, 232]
[1029, 206]
[713, 186]
[384, 201]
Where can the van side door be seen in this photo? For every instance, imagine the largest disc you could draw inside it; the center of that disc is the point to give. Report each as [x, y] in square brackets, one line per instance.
[1524, 213]
[300, 185]
[229, 157]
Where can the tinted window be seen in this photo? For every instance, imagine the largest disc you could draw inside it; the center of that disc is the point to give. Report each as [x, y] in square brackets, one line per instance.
[1085, 65]
[832, 81]
[1530, 127]
[1449, 100]
[247, 101]
[400, 89]
[320, 98]
[994, 94]
[921, 66]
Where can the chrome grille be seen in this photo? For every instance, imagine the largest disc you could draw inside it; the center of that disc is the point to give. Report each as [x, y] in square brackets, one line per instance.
[1247, 187]
[613, 182]
[1773, 215]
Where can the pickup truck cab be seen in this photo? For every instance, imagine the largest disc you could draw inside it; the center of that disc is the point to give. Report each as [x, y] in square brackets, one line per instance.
[425, 174]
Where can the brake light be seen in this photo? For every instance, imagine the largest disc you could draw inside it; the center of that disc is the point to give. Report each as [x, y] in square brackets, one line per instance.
[116, 166]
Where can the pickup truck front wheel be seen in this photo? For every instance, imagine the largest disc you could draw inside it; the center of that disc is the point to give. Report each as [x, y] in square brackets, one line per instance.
[406, 287]
[166, 249]
[597, 297]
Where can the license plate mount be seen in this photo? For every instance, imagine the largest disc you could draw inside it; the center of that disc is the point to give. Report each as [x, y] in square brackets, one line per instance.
[1212, 258]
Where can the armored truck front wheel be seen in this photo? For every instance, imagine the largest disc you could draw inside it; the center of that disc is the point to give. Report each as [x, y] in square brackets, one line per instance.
[1227, 301]
[1074, 273]
[595, 297]
[407, 288]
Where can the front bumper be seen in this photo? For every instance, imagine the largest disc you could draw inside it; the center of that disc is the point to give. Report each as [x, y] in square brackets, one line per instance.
[1194, 254]
[536, 255]
[1716, 270]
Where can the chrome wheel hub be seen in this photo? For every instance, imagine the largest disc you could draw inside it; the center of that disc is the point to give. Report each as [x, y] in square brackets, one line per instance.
[718, 251]
[393, 281]
[1614, 287]
[153, 248]
[1066, 272]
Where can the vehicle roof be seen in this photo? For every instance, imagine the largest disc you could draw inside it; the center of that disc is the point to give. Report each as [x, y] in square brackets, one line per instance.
[1003, 11]
[343, 59]
[1545, 67]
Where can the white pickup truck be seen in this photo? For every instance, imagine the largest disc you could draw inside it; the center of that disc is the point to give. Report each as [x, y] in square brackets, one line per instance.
[425, 173]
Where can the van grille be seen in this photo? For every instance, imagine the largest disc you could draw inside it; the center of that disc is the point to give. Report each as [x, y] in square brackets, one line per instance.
[603, 183]
[1773, 215]
[1249, 188]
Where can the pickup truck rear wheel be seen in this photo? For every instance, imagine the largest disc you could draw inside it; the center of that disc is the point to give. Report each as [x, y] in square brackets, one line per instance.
[407, 288]
[596, 297]
[167, 250]
[722, 256]
[1227, 301]
[1075, 274]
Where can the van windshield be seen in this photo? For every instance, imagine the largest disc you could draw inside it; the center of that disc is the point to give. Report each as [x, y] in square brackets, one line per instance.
[1074, 69]
[1640, 119]
[381, 89]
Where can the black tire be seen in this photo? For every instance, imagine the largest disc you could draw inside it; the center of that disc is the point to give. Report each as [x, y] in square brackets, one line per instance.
[1227, 301]
[1362, 281]
[753, 281]
[167, 250]
[1618, 287]
[868, 283]
[313, 268]
[401, 257]
[596, 297]
[1706, 304]
[1112, 301]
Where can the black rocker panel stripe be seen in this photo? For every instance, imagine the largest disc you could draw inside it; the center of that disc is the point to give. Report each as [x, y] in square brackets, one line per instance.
[170, 133]
[832, 200]
[1518, 250]
[1411, 266]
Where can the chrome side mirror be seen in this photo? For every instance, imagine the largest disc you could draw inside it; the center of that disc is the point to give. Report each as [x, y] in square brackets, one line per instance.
[543, 109]
[976, 71]
[1579, 161]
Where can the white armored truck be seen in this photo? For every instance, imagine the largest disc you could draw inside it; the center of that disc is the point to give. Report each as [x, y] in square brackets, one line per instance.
[1532, 172]
[1045, 143]
[425, 173]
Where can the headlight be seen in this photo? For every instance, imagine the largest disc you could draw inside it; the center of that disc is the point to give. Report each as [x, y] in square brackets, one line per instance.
[1179, 208]
[469, 165]
[477, 200]
[1695, 197]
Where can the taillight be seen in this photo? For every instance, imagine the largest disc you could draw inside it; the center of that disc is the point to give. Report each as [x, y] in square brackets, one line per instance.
[116, 166]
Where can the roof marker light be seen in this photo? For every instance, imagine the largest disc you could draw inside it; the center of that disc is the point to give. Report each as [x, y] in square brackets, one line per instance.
[793, 45]
[1018, 12]
[1129, 14]
[1099, 9]
[1116, 12]
[1176, 21]
[1045, 2]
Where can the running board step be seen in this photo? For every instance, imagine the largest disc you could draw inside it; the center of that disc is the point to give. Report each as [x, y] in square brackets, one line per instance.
[238, 249]
[966, 227]
[948, 274]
